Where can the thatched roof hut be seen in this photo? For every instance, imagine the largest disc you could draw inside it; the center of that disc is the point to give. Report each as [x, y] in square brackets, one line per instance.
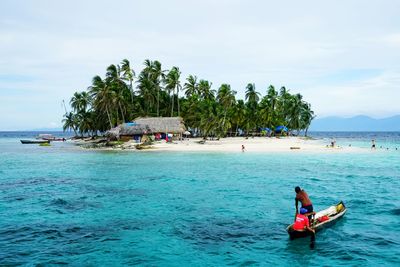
[113, 133]
[163, 124]
[138, 129]
[150, 125]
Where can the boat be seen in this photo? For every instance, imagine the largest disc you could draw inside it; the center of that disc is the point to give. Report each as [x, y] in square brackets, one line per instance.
[35, 141]
[45, 137]
[49, 137]
[322, 219]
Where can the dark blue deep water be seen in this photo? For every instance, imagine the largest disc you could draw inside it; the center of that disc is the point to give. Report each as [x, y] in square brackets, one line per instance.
[65, 205]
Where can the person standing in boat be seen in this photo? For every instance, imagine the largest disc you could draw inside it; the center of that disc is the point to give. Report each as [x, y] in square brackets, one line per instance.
[305, 201]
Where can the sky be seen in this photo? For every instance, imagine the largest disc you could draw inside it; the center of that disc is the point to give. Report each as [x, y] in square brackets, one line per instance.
[342, 56]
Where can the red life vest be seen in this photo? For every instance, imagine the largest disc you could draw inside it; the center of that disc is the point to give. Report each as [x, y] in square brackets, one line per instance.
[301, 222]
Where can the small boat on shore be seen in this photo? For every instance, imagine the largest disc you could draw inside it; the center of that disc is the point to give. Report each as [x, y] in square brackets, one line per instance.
[35, 141]
[322, 219]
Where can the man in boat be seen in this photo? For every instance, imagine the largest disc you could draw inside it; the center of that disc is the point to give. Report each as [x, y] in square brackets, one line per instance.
[302, 223]
[305, 201]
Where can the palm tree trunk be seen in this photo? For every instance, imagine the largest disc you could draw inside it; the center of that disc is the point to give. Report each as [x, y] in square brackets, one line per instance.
[130, 87]
[172, 109]
[223, 122]
[109, 118]
[177, 95]
[122, 113]
[158, 102]
[117, 115]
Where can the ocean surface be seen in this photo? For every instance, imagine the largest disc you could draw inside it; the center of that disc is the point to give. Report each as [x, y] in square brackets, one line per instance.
[64, 205]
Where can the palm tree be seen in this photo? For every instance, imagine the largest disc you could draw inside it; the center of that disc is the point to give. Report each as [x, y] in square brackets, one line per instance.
[102, 95]
[172, 84]
[252, 95]
[111, 100]
[226, 98]
[272, 98]
[205, 91]
[155, 76]
[239, 115]
[145, 86]
[307, 115]
[128, 74]
[80, 101]
[191, 86]
[294, 109]
[69, 122]
[120, 90]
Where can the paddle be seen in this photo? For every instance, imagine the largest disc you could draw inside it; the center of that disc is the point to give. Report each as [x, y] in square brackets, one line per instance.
[312, 243]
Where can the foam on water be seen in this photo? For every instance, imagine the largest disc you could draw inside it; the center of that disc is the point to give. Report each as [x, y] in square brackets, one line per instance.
[65, 206]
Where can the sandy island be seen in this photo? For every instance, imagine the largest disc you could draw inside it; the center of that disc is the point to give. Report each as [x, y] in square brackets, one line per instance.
[234, 144]
[257, 144]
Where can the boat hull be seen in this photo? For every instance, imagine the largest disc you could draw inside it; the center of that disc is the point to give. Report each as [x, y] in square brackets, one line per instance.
[334, 213]
[35, 141]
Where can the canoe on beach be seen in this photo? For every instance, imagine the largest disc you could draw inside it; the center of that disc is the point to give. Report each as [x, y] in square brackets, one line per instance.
[331, 215]
[35, 141]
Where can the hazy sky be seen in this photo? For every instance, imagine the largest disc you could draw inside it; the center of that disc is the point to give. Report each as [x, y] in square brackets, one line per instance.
[343, 56]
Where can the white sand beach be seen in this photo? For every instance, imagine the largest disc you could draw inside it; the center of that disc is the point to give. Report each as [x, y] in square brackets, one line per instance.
[257, 144]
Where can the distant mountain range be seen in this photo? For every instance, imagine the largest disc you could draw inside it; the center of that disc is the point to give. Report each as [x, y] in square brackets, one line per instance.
[357, 123]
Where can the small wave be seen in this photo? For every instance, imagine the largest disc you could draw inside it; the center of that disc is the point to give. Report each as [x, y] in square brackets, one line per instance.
[26, 182]
[361, 202]
[101, 191]
[109, 239]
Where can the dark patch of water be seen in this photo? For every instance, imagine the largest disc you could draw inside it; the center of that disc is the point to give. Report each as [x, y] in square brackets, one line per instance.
[395, 211]
[73, 205]
[241, 231]
[109, 190]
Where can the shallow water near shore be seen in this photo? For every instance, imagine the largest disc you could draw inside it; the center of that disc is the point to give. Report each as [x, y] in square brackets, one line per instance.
[63, 205]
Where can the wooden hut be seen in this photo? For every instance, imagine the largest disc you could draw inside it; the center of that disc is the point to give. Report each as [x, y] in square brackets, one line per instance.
[140, 127]
[129, 132]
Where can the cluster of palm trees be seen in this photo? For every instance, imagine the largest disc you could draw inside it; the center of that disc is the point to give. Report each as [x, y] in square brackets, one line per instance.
[114, 99]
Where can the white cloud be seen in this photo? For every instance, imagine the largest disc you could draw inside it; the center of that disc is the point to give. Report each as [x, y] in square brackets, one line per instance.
[377, 96]
[62, 45]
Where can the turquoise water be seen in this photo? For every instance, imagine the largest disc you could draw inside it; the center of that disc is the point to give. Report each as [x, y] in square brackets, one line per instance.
[64, 205]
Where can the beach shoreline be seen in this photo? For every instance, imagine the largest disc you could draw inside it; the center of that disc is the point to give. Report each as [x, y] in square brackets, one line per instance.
[230, 145]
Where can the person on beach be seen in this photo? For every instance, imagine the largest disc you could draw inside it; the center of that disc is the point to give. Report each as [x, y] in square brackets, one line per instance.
[305, 201]
[243, 148]
[373, 144]
[333, 143]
